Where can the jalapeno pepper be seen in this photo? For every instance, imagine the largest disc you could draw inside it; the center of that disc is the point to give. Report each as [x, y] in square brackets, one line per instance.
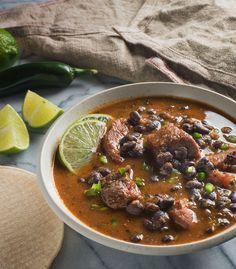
[38, 75]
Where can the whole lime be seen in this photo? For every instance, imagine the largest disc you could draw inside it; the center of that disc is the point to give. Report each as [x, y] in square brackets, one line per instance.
[8, 49]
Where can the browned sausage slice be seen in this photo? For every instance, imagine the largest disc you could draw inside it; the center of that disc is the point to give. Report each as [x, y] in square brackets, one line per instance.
[171, 138]
[112, 139]
[182, 215]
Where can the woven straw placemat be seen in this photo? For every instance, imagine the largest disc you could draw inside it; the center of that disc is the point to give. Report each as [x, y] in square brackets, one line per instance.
[30, 233]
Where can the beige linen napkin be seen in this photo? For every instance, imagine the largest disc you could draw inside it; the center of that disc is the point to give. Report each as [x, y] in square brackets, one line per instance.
[30, 233]
[142, 40]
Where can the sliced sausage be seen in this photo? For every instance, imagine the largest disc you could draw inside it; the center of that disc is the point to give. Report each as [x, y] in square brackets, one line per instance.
[117, 191]
[182, 215]
[112, 139]
[221, 179]
[170, 139]
[224, 160]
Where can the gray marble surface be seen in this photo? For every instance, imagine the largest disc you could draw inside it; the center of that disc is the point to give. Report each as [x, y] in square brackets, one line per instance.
[78, 251]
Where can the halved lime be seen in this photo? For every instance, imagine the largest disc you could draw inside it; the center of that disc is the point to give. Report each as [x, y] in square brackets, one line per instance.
[101, 117]
[14, 136]
[38, 112]
[80, 142]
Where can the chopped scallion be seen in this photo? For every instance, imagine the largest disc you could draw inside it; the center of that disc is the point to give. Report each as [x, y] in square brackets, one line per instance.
[197, 135]
[139, 182]
[122, 171]
[94, 190]
[209, 187]
[103, 159]
[201, 176]
[114, 222]
[224, 146]
[98, 207]
[146, 166]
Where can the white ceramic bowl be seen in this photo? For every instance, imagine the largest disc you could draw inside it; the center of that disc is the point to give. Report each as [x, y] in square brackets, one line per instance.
[45, 173]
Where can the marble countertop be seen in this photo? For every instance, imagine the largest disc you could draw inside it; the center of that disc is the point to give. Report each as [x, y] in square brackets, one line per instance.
[78, 251]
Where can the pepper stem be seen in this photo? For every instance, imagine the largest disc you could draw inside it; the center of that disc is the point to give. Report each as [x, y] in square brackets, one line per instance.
[79, 71]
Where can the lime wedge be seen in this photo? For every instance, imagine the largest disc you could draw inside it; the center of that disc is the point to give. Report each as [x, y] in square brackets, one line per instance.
[38, 112]
[80, 142]
[101, 117]
[14, 136]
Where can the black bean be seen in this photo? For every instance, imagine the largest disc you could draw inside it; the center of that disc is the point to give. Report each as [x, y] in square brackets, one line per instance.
[193, 184]
[140, 128]
[164, 228]
[166, 203]
[152, 125]
[153, 117]
[176, 188]
[136, 238]
[159, 220]
[167, 238]
[217, 144]
[188, 128]
[223, 221]
[210, 229]
[151, 207]
[185, 165]
[141, 109]
[181, 153]
[202, 144]
[212, 195]
[222, 202]
[232, 207]
[104, 171]
[151, 111]
[233, 196]
[176, 164]
[134, 117]
[128, 146]
[166, 169]
[135, 208]
[195, 195]
[227, 213]
[163, 157]
[226, 130]
[207, 203]
[207, 139]
[81, 179]
[154, 178]
[129, 137]
[94, 177]
[148, 224]
[204, 165]
[223, 192]
[200, 128]
[184, 107]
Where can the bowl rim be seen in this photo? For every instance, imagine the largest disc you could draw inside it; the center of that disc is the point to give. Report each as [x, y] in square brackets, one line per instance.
[83, 229]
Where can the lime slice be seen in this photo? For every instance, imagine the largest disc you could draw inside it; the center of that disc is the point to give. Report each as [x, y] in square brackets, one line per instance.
[14, 136]
[101, 117]
[38, 112]
[80, 142]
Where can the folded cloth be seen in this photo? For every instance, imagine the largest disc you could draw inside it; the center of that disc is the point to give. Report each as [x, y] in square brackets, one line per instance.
[154, 40]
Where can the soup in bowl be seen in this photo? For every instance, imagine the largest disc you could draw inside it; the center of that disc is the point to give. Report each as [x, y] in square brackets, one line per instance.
[147, 168]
